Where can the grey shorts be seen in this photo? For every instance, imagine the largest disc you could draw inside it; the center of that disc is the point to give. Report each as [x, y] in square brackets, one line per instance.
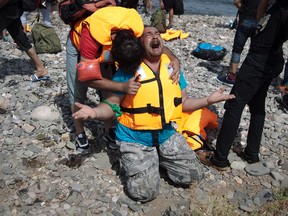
[141, 166]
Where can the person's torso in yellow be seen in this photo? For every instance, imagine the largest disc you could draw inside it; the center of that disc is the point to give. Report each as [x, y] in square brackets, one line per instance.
[157, 102]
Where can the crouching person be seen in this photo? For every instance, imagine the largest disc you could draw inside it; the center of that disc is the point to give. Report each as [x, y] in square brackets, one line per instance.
[144, 130]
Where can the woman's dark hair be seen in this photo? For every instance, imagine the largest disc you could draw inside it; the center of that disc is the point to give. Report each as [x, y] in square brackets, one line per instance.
[127, 50]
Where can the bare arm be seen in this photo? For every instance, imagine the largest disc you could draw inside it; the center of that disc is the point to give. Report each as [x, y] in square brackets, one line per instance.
[192, 104]
[175, 64]
[263, 5]
[161, 4]
[238, 4]
[130, 87]
[102, 112]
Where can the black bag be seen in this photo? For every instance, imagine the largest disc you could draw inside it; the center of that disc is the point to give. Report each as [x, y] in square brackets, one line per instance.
[178, 7]
[209, 52]
[30, 5]
[45, 39]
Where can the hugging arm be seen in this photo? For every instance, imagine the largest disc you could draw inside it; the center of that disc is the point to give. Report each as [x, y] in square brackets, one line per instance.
[175, 64]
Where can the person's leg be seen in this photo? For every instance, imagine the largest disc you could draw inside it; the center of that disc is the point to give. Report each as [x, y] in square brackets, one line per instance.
[40, 69]
[257, 106]
[243, 32]
[257, 110]
[246, 29]
[180, 161]
[46, 15]
[76, 90]
[249, 80]
[4, 22]
[24, 20]
[150, 6]
[171, 14]
[141, 168]
[145, 2]
[15, 29]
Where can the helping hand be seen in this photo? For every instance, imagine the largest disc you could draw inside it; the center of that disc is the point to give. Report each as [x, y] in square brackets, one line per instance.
[218, 96]
[85, 112]
[175, 75]
[132, 86]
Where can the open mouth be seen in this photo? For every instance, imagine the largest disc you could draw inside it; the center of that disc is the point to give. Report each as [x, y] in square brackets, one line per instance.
[155, 44]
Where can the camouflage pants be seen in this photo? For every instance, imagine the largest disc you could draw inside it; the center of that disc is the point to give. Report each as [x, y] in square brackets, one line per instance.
[141, 166]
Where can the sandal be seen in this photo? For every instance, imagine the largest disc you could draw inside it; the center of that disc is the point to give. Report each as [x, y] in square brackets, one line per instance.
[35, 78]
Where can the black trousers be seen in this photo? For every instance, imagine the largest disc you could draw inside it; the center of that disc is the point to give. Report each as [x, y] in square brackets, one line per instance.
[263, 62]
[250, 89]
[15, 29]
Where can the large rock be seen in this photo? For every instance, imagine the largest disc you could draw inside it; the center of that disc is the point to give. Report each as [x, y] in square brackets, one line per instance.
[45, 113]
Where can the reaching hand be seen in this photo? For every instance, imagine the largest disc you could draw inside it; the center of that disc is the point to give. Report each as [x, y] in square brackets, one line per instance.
[218, 96]
[85, 112]
[132, 86]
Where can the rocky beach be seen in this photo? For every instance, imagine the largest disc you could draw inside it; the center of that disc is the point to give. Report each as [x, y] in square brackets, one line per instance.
[41, 172]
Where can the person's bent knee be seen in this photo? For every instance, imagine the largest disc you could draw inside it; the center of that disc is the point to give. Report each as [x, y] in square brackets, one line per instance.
[145, 195]
[190, 173]
[143, 189]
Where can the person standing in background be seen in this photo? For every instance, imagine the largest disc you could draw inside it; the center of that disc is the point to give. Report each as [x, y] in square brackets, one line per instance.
[147, 3]
[168, 5]
[263, 63]
[45, 11]
[10, 13]
[246, 28]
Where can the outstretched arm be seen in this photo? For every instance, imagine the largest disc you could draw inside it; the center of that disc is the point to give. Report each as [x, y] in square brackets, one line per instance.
[192, 104]
[102, 112]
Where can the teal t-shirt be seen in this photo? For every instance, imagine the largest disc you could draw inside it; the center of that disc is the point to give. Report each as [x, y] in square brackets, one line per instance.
[144, 137]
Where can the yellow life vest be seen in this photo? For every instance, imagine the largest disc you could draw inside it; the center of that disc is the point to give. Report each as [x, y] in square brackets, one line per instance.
[157, 102]
[105, 20]
[108, 19]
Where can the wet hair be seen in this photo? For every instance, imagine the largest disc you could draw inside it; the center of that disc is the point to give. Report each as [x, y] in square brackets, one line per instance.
[127, 50]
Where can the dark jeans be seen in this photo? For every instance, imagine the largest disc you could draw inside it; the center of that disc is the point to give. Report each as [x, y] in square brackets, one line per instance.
[245, 29]
[251, 86]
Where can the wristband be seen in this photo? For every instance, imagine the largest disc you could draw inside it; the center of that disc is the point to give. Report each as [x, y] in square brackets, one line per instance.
[115, 108]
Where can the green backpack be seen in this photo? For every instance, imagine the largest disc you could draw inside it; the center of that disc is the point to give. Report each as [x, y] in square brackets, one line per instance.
[158, 20]
[45, 39]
